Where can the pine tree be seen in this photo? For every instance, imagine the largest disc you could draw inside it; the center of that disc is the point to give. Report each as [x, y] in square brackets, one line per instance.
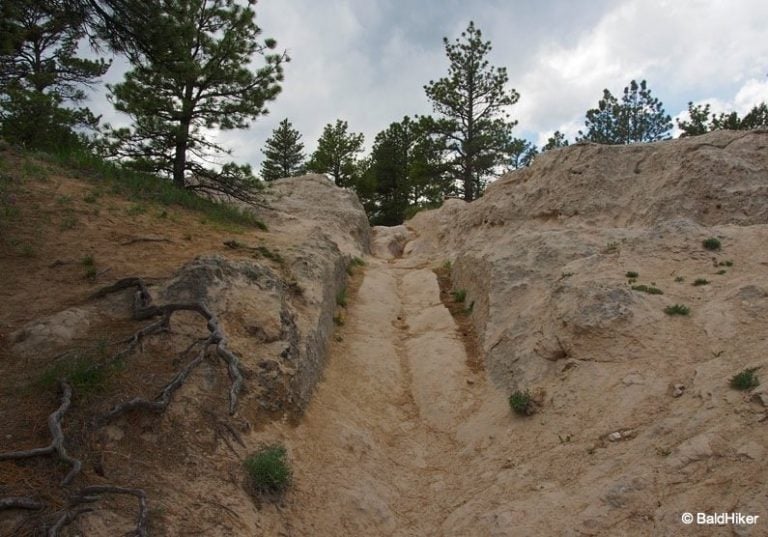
[522, 152]
[40, 73]
[472, 100]
[191, 74]
[336, 153]
[701, 121]
[405, 172]
[696, 124]
[284, 153]
[639, 117]
[555, 141]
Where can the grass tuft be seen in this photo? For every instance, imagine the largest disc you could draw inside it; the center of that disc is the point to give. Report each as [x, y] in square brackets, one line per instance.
[268, 470]
[460, 295]
[522, 403]
[700, 281]
[677, 309]
[632, 274]
[711, 243]
[648, 289]
[745, 380]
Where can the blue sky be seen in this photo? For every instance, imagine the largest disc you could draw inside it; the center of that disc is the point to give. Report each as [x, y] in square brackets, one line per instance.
[367, 61]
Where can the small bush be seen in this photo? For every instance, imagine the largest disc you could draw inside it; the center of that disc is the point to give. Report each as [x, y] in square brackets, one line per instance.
[677, 309]
[447, 265]
[522, 403]
[268, 470]
[357, 262]
[700, 281]
[727, 263]
[746, 380]
[721, 272]
[648, 289]
[611, 247]
[632, 274]
[460, 295]
[679, 279]
[711, 244]
[88, 261]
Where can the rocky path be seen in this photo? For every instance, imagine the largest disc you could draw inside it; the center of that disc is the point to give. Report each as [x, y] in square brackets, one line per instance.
[380, 450]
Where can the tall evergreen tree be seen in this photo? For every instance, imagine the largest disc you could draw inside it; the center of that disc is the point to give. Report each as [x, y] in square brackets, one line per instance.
[40, 73]
[406, 170]
[284, 153]
[472, 100]
[336, 153]
[191, 74]
[638, 117]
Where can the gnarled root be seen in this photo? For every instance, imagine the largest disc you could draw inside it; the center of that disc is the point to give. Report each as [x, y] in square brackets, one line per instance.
[57, 442]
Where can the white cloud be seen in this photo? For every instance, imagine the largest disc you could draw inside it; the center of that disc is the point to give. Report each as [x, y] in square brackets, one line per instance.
[683, 49]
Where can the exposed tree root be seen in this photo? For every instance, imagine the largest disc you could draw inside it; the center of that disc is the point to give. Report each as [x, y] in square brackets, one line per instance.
[144, 309]
[57, 442]
[20, 502]
[162, 401]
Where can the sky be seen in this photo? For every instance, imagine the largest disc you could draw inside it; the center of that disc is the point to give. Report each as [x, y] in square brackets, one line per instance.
[366, 61]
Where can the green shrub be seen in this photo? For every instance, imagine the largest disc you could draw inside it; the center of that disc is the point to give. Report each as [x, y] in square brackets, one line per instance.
[679, 279]
[647, 289]
[632, 274]
[522, 403]
[88, 261]
[460, 295]
[357, 262]
[711, 244]
[700, 281]
[268, 470]
[726, 263]
[677, 309]
[341, 297]
[746, 380]
[721, 272]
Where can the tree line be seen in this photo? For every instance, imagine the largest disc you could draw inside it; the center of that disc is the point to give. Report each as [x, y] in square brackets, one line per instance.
[192, 70]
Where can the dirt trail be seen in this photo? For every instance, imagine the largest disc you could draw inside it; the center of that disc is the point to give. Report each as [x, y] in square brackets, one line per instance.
[379, 450]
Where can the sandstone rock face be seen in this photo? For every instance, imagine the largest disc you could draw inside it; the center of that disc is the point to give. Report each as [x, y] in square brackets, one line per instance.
[546, 258]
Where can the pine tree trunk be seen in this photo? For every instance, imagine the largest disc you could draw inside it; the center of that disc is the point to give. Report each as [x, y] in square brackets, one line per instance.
[180, 155]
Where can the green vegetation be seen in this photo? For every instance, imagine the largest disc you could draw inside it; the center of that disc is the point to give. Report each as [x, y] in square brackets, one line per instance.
[144, 187]
[632, 274]
[611, 247]
[701, 121]
[746, 380]
[85, 371]
[88, 261]
[679, 279]
[638, 117]
[677, 309]
[721, 272]
[727, 263]
[647, 289]
[711, 244]
[473, 101]
[268, 470]
[459, 295]
[341, 297]
[283, 153]
[700, 281]
[522, 403]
